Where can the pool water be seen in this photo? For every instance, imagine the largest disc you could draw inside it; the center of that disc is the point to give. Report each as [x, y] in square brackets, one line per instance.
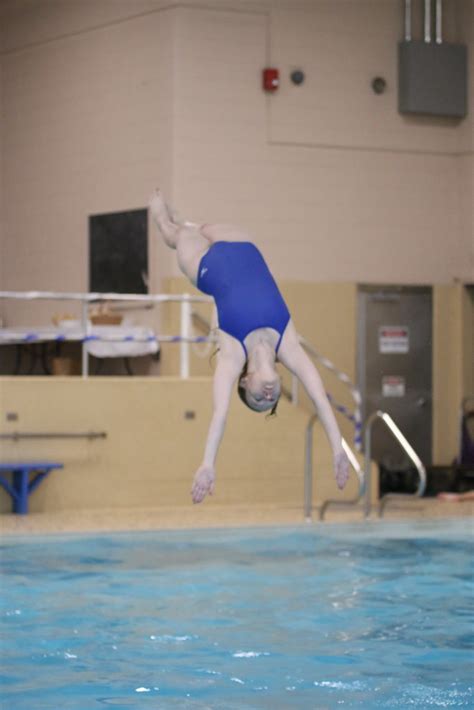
[373, 616]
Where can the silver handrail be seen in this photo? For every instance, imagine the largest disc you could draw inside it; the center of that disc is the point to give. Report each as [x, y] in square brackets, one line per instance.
[409, 450]
[308, 474]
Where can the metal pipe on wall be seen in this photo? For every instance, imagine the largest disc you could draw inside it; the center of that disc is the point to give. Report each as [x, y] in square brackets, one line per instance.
[439, 21]
[428, 21]
[407, 20]
[18, 435]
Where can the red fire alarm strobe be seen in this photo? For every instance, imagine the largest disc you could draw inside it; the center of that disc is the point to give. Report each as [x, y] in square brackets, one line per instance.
[271, 79]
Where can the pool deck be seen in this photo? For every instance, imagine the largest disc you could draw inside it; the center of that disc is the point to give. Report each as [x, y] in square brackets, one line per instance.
[214, 516]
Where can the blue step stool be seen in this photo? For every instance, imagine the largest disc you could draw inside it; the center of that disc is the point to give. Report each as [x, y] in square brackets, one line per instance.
[21, 486]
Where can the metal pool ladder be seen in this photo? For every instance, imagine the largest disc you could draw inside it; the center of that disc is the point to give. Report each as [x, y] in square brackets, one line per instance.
[409, 450]
[363, 476]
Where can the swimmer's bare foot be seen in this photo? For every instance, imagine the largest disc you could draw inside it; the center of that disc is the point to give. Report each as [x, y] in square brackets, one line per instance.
[161, 216]
[203, 483]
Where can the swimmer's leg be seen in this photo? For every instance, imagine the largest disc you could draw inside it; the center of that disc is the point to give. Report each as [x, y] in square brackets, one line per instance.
[186, 238]
[225, 233]
[191, 246]
[162, 218]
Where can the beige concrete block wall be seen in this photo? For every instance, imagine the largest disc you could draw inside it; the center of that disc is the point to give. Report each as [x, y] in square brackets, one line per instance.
[453, 365]
[102, 100]
[152, 450]
[87, 129]
[447, 372]
[27, 23]
[466, 199]
[334, 183]
[343, 47]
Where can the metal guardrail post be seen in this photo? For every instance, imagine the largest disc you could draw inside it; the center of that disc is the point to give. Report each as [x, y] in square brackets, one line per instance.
[185, 327]
[84, 351]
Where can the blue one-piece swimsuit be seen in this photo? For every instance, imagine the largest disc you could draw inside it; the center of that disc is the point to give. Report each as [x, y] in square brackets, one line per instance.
[245, 292]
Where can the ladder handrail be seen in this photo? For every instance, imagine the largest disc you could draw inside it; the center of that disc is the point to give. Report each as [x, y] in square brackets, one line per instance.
[308, 474]
[406, 446]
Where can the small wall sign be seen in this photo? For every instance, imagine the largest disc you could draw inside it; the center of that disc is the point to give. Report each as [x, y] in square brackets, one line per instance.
[394, 339]
[393, 386]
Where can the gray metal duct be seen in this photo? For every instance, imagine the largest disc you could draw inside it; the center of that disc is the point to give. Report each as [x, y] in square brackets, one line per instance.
[432, 73]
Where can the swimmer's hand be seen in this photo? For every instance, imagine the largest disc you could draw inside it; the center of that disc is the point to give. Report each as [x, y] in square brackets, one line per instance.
[341, 469]
[203, 483]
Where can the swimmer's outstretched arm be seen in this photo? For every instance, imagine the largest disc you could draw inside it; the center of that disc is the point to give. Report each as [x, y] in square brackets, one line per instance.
[225, 377]
[292, 355]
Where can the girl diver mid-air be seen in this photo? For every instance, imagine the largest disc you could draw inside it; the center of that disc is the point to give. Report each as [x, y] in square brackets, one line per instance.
[254, 328]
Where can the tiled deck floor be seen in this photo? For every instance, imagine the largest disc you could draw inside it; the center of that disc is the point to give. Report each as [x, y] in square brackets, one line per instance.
[215, 516]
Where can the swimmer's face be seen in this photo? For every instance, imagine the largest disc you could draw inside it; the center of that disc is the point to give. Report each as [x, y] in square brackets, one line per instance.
[262, 393]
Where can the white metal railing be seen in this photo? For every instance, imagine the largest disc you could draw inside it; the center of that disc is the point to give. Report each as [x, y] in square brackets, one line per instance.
[85, 299]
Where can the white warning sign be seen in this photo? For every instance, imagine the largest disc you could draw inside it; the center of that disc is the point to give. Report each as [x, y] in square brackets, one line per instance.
[393, 386]
[394, 339]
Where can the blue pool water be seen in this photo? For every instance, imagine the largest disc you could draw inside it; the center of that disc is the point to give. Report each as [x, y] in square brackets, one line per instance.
[372, 616]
